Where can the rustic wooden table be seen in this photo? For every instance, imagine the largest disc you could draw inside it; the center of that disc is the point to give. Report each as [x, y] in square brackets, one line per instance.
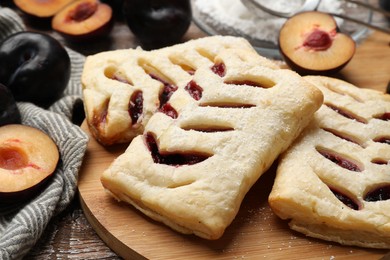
[70, 236]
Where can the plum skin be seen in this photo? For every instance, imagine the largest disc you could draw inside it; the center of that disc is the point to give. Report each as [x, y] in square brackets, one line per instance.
[158, 23]
[35, 67]
[9, 112]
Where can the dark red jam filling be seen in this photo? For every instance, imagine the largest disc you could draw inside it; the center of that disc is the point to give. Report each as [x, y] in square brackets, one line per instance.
[169, 110]
[173, 159]
[194, 90]
[346, 114]
[340, 161]
[383, 140]
[379, 161]
[246, 82]
[136, 106]
[385, 116]
[378, 194]
[219, 69]
[167, 92]
[345, 199]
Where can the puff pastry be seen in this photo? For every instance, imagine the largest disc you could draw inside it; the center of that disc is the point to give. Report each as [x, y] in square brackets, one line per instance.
[334, 182]
[123, 88]
[218, 133]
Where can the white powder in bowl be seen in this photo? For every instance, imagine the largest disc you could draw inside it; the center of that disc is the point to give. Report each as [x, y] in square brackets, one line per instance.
[286, 6]
[232, 17]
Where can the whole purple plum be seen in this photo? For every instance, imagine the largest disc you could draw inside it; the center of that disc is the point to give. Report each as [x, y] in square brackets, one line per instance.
[35, 67]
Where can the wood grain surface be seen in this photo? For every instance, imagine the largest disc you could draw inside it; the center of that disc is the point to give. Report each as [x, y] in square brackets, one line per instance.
[256, 232]
[70, 236]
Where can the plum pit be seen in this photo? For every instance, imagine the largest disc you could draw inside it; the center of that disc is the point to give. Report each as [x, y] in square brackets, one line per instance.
[12, 158]
[82, 12]
[318, 40]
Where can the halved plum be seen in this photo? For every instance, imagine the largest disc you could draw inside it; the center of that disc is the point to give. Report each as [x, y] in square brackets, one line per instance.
[310, 43]
[28, 157]
[41, 9]
[83, 20]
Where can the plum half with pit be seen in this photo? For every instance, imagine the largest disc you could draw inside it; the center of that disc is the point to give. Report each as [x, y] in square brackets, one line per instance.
[35, 67]
[28, 158]
[83, 20]
[158, 23]
[41, 9]
[311, 43]
[9, 112]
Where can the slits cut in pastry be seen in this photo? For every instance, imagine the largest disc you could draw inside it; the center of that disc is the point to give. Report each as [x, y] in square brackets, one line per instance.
[122, 89]
[217, 134]
[334, 182]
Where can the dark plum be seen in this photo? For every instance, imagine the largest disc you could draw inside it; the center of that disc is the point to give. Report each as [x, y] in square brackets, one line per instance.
[116, 6]
[35, 67]
[9, 112]
[158, 23]
[385, 4]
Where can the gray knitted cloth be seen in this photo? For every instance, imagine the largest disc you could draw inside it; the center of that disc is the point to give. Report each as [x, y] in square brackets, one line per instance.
[21, 225]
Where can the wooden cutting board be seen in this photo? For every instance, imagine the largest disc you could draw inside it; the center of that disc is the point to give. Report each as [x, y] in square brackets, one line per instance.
[256, 233]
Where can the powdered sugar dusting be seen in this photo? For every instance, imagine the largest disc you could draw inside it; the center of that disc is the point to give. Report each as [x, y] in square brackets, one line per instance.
[282, 5]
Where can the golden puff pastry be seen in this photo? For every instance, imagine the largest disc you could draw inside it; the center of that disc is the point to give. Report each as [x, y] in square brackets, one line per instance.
[122, 89]
[217, 134]
[334, 182]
